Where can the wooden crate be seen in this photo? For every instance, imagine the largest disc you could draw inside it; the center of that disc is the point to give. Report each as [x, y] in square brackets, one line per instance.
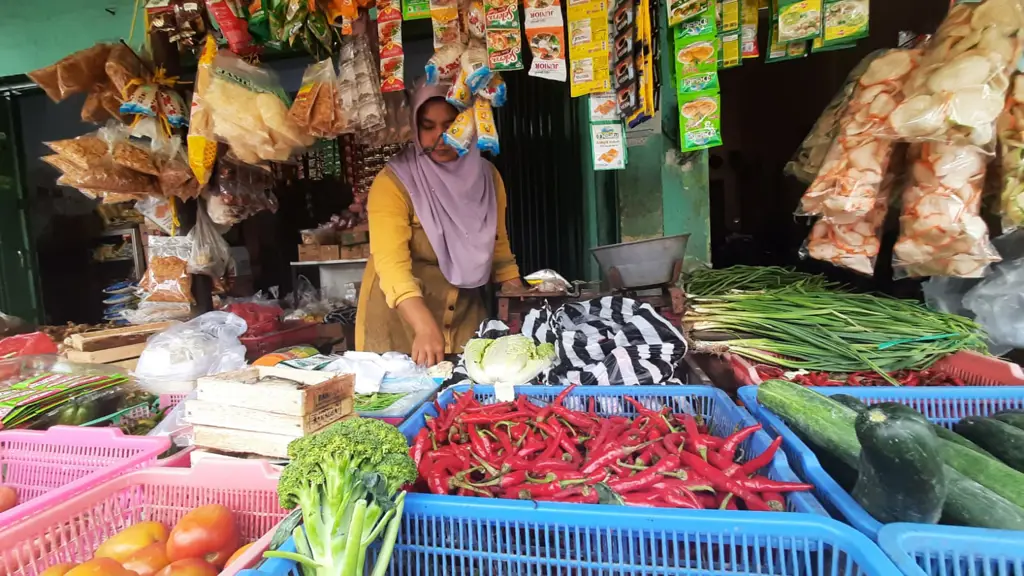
[201, 412]
[247, 388]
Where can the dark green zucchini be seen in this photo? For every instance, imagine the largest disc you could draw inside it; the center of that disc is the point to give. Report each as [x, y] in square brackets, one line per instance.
[1014, 418]
[901, 473]
[1002, 440]
[945, 433]
[969, 502]
[851, 402]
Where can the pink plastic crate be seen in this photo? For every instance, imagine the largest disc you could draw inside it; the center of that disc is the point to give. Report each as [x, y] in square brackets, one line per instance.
[46, 467]
[973, 368]
[70, 531]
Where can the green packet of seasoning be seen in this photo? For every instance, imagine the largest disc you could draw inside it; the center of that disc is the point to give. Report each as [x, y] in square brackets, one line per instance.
[728, 15]
[415, 9]
[730, 50]
[818, 45]
[782, 51]
[845, 20]
[799, 20]
[694, 46]
[680, 11]
[699, 122]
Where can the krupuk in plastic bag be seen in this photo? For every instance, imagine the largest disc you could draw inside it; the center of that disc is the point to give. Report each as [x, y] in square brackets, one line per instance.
[1011, 142]
[848, 184]
[941, 230]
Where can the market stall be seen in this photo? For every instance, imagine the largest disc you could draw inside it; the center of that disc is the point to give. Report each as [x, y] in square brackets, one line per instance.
[207, 431]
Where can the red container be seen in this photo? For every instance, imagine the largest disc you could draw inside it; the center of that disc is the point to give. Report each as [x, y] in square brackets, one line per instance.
[973, 368]
[291, 334]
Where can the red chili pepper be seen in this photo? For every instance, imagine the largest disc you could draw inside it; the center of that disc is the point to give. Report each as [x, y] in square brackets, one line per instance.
[484, 419]
[673, 442]
[645, 500]
[688, 479]
[763, 484]
[750, 467]
[481, 445]
[707, 501]
[531, 448]
[694, 438]
[592, 407]
[524, 405]
[575, 418]
[775, 501]
[419, 445]
[552, 465]
[562, 395]
[728, 449]
[553, 445]
[728, 502]
[610, 456]
[720, 481]
[461, 403]
[490, 408]
[646, 478]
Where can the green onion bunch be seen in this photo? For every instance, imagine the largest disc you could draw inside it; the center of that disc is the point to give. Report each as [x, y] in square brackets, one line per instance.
[712, 281]
[805, 326]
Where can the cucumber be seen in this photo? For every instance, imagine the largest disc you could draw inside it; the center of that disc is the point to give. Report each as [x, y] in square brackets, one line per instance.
[1014, 418]
[851, 402]
[831, 425]
[1004, 441]
[902, 477]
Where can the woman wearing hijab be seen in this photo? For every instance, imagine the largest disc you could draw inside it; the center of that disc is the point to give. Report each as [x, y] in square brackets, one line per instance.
[437, 235]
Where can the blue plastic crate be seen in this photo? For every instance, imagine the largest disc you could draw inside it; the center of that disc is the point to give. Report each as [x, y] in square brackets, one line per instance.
[443, 536]
[921, 550]
[942, 405]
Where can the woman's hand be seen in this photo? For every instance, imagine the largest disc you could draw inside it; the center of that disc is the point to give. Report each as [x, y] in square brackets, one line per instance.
[428, 342]
[513, 287]
[428, 348]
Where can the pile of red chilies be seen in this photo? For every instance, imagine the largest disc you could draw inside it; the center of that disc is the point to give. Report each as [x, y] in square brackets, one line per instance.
[657, 459]
[928, 377]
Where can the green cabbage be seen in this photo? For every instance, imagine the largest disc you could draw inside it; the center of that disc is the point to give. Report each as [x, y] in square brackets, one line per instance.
[510, 360]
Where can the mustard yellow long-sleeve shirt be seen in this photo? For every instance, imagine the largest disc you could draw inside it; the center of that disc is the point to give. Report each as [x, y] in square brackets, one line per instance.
[404, 265]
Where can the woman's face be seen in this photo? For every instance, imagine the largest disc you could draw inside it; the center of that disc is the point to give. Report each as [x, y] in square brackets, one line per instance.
[435, 116]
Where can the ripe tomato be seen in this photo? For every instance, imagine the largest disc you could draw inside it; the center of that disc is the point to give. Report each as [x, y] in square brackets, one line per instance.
[207, 532]
[130, 540]
[99, 567]
[149, 560]
[8, 498]
[238, 553]
[189, 567]
[58, 570]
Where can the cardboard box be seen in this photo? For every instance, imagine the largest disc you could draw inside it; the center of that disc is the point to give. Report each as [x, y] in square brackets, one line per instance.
[301, 392]
[354, 237]
[319, 252]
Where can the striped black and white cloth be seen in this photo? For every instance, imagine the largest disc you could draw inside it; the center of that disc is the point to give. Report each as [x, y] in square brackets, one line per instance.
[606, 341]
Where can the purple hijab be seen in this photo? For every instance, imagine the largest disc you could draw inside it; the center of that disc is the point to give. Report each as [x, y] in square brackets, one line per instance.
[455, 202]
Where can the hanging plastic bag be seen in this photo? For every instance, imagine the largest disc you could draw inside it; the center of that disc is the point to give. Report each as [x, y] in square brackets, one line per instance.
[941, 229]
[239, 191]
[998, 304]
[175, 358]
[808, 158]
[959, 89]
[210, 252]
[1011, 142]
[167, 278]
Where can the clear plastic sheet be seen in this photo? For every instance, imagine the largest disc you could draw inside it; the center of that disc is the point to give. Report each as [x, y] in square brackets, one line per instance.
[941, 230]
[809, 157]
[849, 182]
[959, 90]
[998, 304]
[210, 252]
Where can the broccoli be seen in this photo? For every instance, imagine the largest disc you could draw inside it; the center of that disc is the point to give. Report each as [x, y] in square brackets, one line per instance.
[347, 480]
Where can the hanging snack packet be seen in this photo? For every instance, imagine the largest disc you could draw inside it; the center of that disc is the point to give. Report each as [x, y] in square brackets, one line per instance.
[459, 94]
[748, 29]
[202, 148]
[415, 9]
[475, 20]
[444, 20]
[462, 133]
[696, 60]
[845, 20]
[444, 65]
[234, 29]
[799, 20]
[781, 51]
[142, 101]
[588, 47]
[392, 54]
[486, 133]
[474, 64]
[682, 10]
[729, 51]
[728, 12]
[819, 45]
[504, 42]
[545, 33]
[699, 122]
[172, 107]
[495, 92]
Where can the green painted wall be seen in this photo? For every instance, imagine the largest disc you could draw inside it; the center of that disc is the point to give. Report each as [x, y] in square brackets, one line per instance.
[36, 33]
[663, 192]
